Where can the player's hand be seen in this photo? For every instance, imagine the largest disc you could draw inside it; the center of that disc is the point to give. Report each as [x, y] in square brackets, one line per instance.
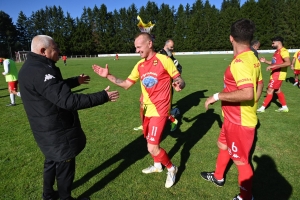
[209, 100]
[270, 67]
[84, 79]
[113, 95]
[262, 59]
[292, 67]
[176, 86]
[103, 72]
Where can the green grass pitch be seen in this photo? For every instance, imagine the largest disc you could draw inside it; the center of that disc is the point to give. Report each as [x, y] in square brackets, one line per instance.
[110, 165]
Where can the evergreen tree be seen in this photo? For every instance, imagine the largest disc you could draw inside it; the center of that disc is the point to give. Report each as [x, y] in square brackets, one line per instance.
[24, 38]
[180, 29]
[8, 35]
[164, 27]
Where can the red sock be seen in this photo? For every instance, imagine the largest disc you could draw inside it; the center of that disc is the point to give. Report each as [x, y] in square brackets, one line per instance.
[163, 158]
[267, 100]
[171, 118]
[245, 181]
[281, 98]
[222, 161]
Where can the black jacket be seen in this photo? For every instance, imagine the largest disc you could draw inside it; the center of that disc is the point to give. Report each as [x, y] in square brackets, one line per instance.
[179, 67]
[51, 107]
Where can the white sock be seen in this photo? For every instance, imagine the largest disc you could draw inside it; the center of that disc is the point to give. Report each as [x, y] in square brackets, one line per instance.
[12, 98]
[284, 106]
[158, 165]
[262, 107]
[171, 169]
[18, 94]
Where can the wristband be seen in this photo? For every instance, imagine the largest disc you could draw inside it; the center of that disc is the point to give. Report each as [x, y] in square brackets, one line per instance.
[216, 96]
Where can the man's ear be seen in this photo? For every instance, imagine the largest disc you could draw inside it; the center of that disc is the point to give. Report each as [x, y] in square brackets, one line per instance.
[43, 51]
[231, 39]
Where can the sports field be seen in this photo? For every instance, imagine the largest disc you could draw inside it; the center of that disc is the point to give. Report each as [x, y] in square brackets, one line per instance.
[110, 167]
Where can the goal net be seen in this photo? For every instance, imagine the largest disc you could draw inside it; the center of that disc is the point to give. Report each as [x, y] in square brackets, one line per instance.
[21, 56]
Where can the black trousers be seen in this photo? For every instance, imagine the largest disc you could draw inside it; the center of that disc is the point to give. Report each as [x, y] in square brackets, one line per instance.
[64, 173]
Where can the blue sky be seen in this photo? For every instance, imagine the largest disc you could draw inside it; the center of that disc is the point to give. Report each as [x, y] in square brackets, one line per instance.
[75, 7]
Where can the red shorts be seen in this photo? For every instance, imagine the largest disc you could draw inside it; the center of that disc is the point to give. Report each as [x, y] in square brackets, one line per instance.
[239, 140]
[13, 86]
[297, 71]
[274, 84]
[153, 128]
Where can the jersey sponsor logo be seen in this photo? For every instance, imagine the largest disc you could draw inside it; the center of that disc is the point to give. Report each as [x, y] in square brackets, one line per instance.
[243, 80]
[273, 60]
[48, 77]
[238, 60]
[149, 81]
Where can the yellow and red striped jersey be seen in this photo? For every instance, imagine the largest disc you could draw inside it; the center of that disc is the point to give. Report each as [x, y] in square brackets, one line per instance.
[244, 71]
[155, 76]
[297, 62]
[278, 56]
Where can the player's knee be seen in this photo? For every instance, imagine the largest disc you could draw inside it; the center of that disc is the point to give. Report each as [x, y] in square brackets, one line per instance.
[153, 149]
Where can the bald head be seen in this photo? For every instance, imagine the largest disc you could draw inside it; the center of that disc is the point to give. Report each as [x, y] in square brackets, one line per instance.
[39, 42]
[144, 45]
[44, 45]
[145, 36]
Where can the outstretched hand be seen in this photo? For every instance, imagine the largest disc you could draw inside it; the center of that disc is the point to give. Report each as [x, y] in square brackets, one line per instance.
[103, 72]
[83, 79]
[262, 59]
[176, 86]
[113, 95]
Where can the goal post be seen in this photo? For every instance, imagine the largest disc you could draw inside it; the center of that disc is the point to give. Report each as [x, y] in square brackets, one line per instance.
[21, 56]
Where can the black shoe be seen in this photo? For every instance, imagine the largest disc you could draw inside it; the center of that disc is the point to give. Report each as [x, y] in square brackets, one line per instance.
[11, 104]
[54, 196]
[237, 197]
[209, 176]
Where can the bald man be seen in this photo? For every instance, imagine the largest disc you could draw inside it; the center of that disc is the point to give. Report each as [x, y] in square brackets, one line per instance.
[155, 72]
[51, 108]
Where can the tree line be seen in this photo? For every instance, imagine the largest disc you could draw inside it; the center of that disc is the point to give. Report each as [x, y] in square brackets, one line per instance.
[197, 27]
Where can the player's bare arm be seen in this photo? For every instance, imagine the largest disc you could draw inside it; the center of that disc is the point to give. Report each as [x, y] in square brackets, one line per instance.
[286, 63]
[241, 95]
[178, 84]
[259, 90]
[244, 94]
[104, 72]
[119, 82]
[263, 60]
[293, 64]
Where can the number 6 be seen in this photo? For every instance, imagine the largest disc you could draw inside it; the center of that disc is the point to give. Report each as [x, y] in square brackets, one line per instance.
[234, 148]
